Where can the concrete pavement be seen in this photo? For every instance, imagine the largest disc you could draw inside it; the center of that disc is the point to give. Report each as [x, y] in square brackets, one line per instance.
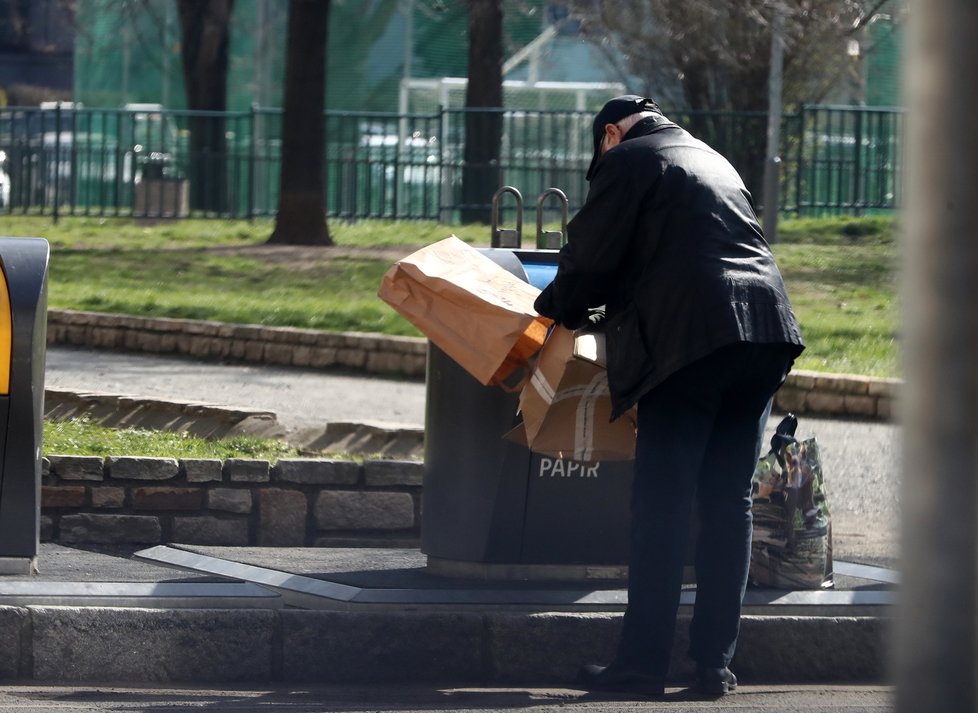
[414, 699]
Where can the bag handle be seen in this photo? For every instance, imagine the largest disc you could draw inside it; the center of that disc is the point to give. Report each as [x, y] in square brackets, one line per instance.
[784, 436]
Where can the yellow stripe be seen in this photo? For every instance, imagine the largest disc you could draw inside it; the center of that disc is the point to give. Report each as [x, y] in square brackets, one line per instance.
[6, 335]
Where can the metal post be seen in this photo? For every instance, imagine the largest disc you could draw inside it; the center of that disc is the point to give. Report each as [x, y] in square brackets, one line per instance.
[402, 124]
[800, 160]
[937, 627]
[57, 159]
[261, 54]
[165, 55]
[252, 159]
[445, 164]
[772, 166]
[858, 193]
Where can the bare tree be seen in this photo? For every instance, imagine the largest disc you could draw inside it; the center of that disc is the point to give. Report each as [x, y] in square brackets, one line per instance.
[709, 56]
[713, 54]
[301, 217]
[483, 104]
[204, 49]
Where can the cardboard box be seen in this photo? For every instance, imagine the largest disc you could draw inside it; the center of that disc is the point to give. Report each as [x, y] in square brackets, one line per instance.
[566, 404]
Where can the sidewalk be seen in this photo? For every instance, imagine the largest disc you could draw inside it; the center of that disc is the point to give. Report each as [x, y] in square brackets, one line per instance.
[206, 615]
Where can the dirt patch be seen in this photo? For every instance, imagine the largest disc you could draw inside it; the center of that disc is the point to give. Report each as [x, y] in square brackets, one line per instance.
[305, 256]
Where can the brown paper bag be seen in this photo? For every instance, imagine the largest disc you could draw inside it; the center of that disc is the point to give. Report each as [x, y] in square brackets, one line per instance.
[566, 404]
[475, 311]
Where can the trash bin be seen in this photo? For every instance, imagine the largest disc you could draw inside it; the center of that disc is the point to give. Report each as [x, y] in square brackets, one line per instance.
[491, 501]
[160, 190]
[23, 336]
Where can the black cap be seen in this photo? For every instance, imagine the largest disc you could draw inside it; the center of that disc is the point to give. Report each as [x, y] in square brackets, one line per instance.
[613, 112]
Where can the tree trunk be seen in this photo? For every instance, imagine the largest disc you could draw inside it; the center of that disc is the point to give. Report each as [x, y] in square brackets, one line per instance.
[483, 116]
[301, 218]
[204, 49]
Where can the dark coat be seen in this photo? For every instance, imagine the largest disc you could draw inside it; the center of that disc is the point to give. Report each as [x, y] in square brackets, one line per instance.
[668, 240]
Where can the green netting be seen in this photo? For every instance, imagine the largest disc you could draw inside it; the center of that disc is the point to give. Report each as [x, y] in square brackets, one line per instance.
[883, 63]
[129, 52]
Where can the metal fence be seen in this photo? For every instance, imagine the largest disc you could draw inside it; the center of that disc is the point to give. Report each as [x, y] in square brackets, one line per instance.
[846, 160]
[144, 161]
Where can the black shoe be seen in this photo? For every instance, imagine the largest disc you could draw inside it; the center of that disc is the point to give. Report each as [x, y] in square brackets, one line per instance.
[616, 680]
[715, 681]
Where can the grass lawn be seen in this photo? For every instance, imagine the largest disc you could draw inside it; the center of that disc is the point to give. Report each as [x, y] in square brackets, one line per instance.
[840, 275]
[83, 438]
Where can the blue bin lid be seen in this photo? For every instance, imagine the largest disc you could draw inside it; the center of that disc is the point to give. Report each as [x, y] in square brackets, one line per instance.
[540, 266]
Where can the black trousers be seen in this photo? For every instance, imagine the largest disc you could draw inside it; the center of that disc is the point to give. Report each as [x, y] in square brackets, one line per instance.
[699, 438]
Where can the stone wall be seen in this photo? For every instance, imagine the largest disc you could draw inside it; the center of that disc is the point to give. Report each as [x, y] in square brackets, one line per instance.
[295, 502]
[838, 395]
[287, 346]
[805, 392]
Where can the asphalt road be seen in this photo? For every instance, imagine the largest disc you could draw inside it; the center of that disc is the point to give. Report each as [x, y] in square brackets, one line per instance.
[860, 459]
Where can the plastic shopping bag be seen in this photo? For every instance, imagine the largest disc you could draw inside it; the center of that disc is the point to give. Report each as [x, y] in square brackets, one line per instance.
[792, 539]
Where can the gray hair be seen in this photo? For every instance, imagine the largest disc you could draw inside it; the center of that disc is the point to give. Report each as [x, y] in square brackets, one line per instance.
[629, 121]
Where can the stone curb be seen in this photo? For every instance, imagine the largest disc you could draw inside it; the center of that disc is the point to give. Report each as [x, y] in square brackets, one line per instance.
[281, 346]
[123, 411]
[805, 392]
[207, 420]
[143, 645]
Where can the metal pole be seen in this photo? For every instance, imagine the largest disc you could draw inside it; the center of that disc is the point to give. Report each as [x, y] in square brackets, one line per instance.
[165, 79]
[126, 57]
[402, 127]
[937, 627]
[858, 192]
[252, 159]
[261, 55]
[57, 160]
[772, 165]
